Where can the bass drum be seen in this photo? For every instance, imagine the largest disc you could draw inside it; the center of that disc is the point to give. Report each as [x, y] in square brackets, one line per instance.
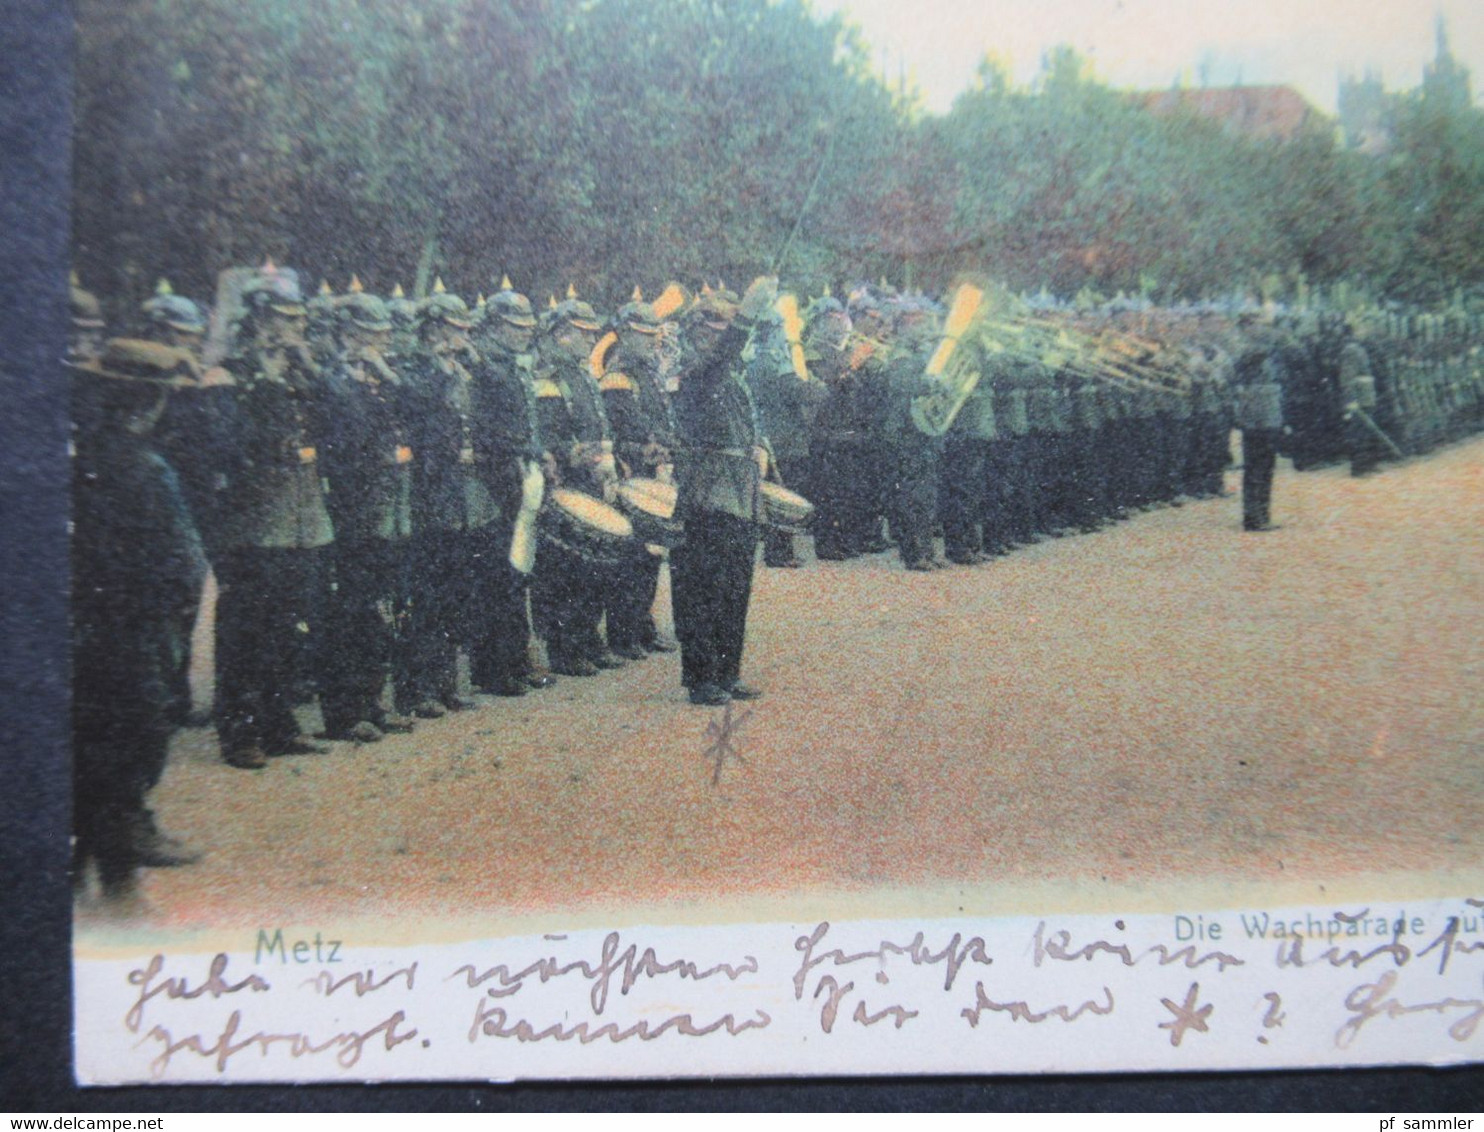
[584, 527]
[650, 506]
[785, 510]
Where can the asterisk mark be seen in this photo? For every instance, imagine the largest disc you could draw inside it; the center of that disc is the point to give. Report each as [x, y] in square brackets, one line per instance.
[1187, 1017]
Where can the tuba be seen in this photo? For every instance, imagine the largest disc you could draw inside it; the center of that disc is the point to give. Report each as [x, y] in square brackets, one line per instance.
[955, 368]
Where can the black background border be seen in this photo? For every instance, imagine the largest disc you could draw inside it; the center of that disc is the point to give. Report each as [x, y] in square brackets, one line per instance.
[36, 83]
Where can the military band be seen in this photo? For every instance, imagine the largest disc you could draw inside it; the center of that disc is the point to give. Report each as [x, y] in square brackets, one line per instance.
[395, 489]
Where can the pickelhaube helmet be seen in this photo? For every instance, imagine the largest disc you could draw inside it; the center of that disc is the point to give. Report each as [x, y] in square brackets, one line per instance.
[273, 290]
[575, 312]
[825, 322]
[401, 309]
[443, 306]
[907, 309]
[166, 308]
[714, 308]
[368, 312]
[510, 305]
[863, 301]
[637, 315]
[322, 309]
[824, 306]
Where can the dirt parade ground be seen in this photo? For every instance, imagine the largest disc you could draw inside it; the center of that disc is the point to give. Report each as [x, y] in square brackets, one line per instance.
[1167, 706]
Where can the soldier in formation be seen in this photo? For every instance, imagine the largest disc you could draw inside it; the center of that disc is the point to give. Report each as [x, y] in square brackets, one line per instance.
[570, 593]
[719, 468]
[364, 475]
[276, 525]
[504, 335]
[642, 422]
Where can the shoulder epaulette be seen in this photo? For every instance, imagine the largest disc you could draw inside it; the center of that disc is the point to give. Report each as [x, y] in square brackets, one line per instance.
[546, 387]
[615, 382]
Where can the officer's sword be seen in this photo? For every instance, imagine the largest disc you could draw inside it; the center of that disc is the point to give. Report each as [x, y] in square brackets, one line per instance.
[803, 208]
[1365, 419]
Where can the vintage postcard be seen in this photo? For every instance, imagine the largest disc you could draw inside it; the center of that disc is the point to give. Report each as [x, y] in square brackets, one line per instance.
[659, 538]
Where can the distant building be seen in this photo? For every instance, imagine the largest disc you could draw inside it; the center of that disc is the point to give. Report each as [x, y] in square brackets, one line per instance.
[1263, 112]
[1368, 112]
[1445, 81]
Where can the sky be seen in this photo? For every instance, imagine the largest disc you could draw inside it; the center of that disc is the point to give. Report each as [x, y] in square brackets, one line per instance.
[1148, 44]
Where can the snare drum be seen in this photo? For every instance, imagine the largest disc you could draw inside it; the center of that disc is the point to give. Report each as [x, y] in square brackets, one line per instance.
[786, 510]
[583, 526]
[650, 506]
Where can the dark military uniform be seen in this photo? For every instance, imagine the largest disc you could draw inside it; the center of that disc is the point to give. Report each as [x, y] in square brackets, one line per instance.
[1169, 436]
[914, 458]
[841, 444]
[718, 477]
[1358, 388]
[1312, 402]
[1009, 465]
[505, 405]
[1115, 449]
[1213, 407]
[872, 391]
[568, 593]
[271, 568]
[190, 435]
[643, 426]
[964, 496]
[368, 462]
[1141, 453]
[1087, 457]
[1259, 414]
[1049, 425]
[786, 403]
[452, 513]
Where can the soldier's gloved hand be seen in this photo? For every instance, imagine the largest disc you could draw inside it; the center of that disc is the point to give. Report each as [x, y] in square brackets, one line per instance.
[759, 297]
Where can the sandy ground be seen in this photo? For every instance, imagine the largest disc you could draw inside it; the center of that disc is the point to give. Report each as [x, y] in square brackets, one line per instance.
[1167, 706]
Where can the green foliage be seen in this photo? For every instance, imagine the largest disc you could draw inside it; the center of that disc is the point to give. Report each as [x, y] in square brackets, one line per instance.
[615, 142]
